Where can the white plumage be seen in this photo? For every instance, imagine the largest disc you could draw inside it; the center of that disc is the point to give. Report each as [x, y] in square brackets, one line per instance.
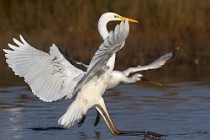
[154, 65]
[125, 77]
[93, 84]
[51, 77]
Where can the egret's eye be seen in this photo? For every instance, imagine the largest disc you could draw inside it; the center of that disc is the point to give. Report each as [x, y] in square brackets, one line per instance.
[115, 16]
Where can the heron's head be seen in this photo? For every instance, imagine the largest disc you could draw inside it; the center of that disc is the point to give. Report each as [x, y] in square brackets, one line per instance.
[138, 77]
[109, 16]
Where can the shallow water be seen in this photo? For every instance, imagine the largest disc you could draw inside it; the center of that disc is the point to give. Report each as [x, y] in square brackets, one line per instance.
[179, 110]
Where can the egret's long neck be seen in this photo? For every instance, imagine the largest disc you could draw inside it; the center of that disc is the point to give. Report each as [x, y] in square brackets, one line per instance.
[102, 27]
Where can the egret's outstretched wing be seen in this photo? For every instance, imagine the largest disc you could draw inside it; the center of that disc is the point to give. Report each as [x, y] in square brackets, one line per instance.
[154, 65]
[50, 76]
[114, 42]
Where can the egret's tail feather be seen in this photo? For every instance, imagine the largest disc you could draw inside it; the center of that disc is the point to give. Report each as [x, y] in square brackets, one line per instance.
[73, 115]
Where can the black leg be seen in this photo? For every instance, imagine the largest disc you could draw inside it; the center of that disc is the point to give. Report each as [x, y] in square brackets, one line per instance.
[97, 119]
[81, 121]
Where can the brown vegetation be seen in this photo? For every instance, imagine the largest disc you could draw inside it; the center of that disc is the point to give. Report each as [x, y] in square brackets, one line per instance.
[72, 25]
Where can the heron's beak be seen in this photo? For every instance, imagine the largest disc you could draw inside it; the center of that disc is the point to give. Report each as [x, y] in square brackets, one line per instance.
[129, 19]
[147, 80]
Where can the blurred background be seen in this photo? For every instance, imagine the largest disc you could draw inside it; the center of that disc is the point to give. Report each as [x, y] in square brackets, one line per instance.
[72, 26]
[180, 108]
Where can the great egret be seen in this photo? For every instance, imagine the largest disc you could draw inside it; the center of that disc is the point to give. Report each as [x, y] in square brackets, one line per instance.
[51, 77]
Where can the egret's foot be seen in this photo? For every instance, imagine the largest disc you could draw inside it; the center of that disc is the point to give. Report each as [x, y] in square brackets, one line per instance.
[155, 134]
[152, 136]
[146, 134]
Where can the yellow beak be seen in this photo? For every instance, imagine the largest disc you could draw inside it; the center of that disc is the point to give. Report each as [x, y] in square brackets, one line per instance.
[129, 19]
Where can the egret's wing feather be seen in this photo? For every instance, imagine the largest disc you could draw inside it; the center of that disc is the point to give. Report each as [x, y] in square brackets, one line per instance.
[114, 42]
[77, 64]
[49, 75]
[154, 65]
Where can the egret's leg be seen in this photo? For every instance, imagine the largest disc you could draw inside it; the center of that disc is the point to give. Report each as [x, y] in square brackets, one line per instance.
[107, 123]
[81, 121]
[103, 106]
[115, 131]
[146, 134]
[97, 119]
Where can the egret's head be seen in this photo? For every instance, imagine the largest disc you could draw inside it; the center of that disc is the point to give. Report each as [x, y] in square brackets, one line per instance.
[105, 18]
[115, 17]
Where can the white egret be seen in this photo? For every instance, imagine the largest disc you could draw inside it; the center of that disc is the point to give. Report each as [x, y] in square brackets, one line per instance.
[51, 77]
[124, 77]
[118, 77]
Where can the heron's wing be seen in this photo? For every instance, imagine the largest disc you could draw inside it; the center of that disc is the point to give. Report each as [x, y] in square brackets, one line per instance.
[114, 42]
[77, 64]
[154, 65]
[49, 75]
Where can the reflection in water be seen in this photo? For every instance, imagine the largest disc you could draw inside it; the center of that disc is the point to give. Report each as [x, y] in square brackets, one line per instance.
[180, 110]
[98, 134]
[46, 128]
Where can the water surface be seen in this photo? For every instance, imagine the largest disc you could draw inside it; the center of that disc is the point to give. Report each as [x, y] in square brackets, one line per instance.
[180, 110]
